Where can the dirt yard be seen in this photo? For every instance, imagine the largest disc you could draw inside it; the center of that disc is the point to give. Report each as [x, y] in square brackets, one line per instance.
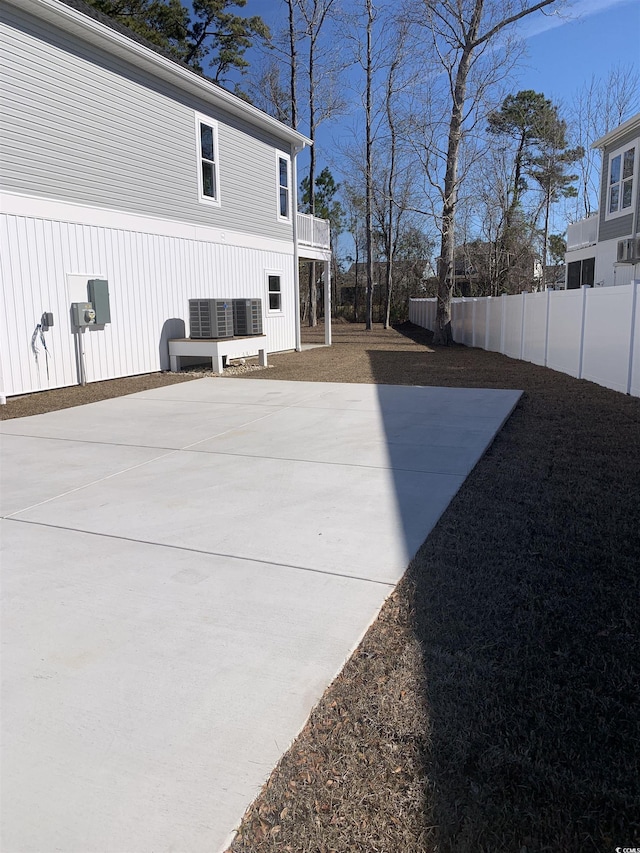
[494, 704]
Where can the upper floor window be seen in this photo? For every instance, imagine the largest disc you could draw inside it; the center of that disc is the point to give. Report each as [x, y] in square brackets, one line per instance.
[208, 172]
[621, 181]
[284, 179]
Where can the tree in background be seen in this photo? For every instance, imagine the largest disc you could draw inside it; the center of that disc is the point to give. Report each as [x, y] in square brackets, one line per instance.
[211, 35]
[557, 248]
[533, 125]
[549, 169]
[327, 207]
[462, 32]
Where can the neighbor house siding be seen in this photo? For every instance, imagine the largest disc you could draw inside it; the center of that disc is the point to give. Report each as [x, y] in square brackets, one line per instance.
[622, 226]
[82, 126]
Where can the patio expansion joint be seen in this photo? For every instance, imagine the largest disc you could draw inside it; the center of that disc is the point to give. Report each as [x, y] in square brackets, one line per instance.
[389, 584]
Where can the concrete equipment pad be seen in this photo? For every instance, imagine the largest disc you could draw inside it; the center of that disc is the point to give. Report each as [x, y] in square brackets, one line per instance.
[185, 570]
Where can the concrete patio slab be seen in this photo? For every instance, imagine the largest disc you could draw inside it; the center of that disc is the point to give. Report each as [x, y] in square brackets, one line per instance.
[176, 602]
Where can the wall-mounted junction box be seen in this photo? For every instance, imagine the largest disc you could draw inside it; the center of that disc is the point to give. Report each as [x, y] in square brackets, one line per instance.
[82, 314]
[98, 290]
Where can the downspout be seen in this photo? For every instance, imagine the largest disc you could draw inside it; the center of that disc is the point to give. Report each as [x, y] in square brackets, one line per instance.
[295, 150]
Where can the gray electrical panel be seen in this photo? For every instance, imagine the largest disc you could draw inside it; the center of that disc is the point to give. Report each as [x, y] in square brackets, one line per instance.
[247, 316]
[99, 297]
[210, 318]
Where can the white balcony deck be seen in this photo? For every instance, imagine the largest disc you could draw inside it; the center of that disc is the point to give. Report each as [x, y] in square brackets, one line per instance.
[582, 233]
[314, 235]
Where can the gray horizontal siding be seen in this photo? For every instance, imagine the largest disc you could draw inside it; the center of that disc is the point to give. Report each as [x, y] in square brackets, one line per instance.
[621, 226]
[84, 127]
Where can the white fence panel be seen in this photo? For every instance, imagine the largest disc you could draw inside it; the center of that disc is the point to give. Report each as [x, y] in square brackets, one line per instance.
[481, 308]
[607, 332]
[494, 338]
[513, 325]
[457, 320]
[535, 327]
[589, 334]
[565, 331]
[469, 320]
[634, 358]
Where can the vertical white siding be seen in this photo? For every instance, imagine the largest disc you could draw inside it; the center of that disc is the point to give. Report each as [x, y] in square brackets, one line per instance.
[151, 279]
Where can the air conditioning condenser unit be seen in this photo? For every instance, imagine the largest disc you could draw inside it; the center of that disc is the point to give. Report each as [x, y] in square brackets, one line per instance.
[210, 318]
[628, 251]
[247, 316]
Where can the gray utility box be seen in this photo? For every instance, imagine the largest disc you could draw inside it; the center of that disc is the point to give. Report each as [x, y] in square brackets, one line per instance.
[82, 314]
[210, 318]
[99, 296]
[247, 316]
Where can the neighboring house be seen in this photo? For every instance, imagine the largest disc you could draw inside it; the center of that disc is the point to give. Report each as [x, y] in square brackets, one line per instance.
[604, 249]
[475, 269]
[120, 164]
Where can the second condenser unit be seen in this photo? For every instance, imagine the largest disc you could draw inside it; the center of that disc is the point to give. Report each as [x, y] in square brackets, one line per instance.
[210, 318]
[247, 316]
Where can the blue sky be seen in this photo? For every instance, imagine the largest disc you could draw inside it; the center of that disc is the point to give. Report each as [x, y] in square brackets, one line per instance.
[564, 52]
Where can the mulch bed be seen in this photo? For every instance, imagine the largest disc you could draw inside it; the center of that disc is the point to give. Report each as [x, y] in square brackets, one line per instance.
[493, 705]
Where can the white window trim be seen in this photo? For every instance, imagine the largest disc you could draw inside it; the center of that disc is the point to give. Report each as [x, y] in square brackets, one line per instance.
[202, 198]
[274, 312]
[280, 155]
[620, 152]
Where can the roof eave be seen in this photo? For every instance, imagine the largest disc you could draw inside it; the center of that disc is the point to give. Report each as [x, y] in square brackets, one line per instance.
[631, 124]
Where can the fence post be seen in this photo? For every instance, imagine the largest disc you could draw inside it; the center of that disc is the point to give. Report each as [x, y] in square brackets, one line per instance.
[583, 301]
[487, 317]
[546, 327]
[503, 321]
[632, 339]
[522, 322]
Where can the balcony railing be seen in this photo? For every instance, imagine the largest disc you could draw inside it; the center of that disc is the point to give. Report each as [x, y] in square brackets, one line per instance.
[313, 231]
[582, 233]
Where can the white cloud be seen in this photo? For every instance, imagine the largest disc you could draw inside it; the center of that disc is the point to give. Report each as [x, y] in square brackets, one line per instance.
[568, 13]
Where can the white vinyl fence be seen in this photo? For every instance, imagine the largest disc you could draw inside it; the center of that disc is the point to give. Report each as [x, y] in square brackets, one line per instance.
[591, 333]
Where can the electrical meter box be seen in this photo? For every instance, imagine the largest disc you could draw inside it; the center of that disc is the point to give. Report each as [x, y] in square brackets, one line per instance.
[210, 318]
[247, 316]
[98, 290]
[83, 314]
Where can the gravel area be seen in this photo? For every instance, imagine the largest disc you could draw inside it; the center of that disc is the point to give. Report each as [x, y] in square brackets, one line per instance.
[493, 705]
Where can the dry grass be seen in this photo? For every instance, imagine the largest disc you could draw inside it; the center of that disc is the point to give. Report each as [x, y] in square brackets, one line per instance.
[493, 706]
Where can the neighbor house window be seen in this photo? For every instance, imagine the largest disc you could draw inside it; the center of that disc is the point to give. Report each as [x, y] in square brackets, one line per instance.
[283, 187]
[580, 273]
[208, 173]
[274, 292]
[621, 180]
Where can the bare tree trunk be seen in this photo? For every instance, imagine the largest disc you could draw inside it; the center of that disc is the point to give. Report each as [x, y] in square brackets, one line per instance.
[469, 40]
[369, 171]
[293, 68]
[442, 332]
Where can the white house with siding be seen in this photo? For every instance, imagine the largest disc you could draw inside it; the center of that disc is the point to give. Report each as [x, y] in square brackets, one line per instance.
[120, 164]
[604, 249]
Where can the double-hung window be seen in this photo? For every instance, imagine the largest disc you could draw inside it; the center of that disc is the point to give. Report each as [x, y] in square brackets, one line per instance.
[622, 180]
[274, 292]
[284, 180]
[208, 171]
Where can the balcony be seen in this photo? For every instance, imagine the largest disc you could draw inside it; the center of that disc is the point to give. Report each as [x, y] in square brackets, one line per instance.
[313, 234]
[583, 233]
